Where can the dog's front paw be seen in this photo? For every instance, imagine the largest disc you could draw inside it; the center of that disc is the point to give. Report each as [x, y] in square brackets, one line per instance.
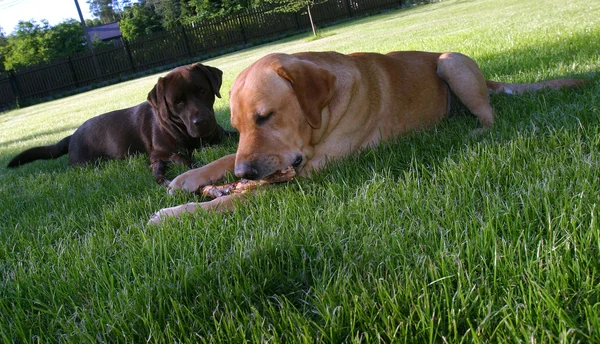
[193, 180]
[156, 218]
[186, 182]
[169, 213]
[162, 215]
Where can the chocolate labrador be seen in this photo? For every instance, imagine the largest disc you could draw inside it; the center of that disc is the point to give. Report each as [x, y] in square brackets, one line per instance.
[304, 109]
[177, 118]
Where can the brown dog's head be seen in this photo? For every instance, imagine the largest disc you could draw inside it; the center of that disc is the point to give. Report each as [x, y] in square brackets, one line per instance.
[276, 104]
[184, 100]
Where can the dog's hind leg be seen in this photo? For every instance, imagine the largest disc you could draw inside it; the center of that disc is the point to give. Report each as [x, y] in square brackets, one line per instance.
[466, 81]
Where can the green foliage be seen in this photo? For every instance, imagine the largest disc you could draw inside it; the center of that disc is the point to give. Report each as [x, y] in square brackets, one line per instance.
[93, 22]
[195, 10]
[289, 6]
[145, 16]
[64, 39]
[26, 45]
[148, 16]
[138, 20]
[98, 43]
[293, 5]
[107, 10]
[3, 43]
[33, 43]
[169, 11]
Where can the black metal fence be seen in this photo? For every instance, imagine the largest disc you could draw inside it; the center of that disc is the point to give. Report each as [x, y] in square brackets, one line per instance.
[208, 38]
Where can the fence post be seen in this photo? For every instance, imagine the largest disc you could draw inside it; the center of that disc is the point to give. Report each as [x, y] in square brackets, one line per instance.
[238, 17]
[12, 77]
[297, 20]
[72, 68]
[349, 7]
[185, 42]
[129, 56]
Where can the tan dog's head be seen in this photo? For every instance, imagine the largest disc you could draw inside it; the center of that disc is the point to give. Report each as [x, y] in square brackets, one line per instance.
[276, 103]
[184, 100]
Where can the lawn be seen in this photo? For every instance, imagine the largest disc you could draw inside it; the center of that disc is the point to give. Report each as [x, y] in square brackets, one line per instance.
[436, 237]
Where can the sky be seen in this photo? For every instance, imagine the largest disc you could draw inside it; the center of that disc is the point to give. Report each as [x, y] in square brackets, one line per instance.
[55, 11]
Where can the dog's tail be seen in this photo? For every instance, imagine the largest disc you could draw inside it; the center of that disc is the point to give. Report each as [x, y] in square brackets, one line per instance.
[508, 88]
[43, 152]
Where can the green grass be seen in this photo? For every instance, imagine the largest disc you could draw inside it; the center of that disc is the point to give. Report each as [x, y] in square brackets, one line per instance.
[436, 237]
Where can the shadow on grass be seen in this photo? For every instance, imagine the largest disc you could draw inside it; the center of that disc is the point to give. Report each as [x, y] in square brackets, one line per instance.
[35, 135]
[563, 54]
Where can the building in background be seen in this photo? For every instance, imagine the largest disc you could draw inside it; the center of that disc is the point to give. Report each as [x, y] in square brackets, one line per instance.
[106, 33]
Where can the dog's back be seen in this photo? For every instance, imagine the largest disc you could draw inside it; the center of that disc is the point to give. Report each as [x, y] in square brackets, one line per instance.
[113, 135]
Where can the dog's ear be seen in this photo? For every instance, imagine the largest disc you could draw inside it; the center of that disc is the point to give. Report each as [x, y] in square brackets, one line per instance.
[156, 96]
[312, 85]
[215, 76]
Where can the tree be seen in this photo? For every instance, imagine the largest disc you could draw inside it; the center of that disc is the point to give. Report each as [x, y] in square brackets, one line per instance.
[107, 10]
[169, 12]
[25, 46]
[192, 10]
[33, 43]
[3, 43]
[138, 20]
[290, 6]
[93, 22]
[64, 39]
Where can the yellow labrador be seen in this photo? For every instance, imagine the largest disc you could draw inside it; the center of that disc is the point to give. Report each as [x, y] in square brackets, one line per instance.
[303, 109]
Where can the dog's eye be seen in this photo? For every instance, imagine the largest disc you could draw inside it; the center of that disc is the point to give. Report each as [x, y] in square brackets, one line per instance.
[201, 90]
[260, 120]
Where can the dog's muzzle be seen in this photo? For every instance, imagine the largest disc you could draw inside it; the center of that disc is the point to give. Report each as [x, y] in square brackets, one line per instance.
[202, 126]
[251, 170]
[246, 170]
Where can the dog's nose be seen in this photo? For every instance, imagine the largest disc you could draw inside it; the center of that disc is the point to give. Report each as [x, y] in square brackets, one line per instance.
[201, 121]
[298, 161]
[245, 170]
